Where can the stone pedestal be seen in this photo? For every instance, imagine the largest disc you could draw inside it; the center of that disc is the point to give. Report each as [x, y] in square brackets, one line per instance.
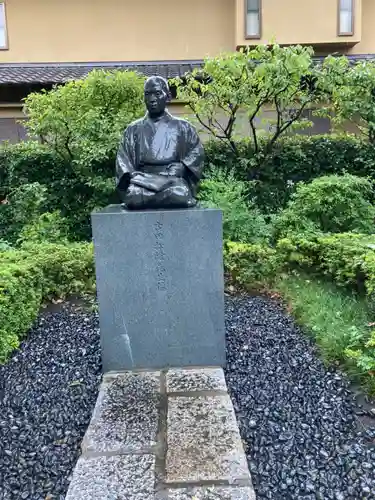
[160, 287]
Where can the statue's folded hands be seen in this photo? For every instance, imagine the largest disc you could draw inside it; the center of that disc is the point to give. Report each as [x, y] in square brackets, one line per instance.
[176, 169]
[153, 182]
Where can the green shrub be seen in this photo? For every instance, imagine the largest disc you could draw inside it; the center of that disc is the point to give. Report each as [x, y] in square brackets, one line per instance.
[80, 124]
[32, 274]
[329, 204]
[362, 353]
[297, 158]
[251, 266]
[242, 221]
[5, 245]
[82, 121]
[47, 228]
[23, 206]
[29, 162]
[347, 258]
[66, 191]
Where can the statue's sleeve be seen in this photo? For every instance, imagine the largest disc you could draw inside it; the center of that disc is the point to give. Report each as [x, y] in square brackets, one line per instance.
[193, 152]
[126, 159]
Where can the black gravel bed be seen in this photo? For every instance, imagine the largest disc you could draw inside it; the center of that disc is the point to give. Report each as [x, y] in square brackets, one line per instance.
[298, 420]
[47, 394]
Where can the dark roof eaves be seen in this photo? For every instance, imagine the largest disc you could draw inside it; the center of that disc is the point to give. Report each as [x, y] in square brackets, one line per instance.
[56, 73]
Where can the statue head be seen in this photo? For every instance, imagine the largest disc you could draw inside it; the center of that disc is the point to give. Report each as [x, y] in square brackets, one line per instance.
[157, 94]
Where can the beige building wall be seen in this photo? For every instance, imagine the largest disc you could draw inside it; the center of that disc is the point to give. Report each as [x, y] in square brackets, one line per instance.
[117, 30]
[298, 22]
[367, 43]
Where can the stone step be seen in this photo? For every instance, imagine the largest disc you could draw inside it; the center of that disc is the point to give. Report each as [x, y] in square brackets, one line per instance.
[162, 435]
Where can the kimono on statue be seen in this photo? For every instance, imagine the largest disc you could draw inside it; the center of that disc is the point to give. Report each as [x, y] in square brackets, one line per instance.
[148, 153]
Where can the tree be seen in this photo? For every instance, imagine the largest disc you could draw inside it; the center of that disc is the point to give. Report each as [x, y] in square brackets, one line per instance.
[352, 93]
[247, 81]
[83, 119]
[81, 123]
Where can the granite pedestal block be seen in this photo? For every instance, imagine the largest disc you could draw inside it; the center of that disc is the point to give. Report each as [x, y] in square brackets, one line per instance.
[160, 287]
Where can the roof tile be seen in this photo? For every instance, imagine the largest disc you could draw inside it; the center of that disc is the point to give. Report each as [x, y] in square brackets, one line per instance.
[60, 73]
[51, 73]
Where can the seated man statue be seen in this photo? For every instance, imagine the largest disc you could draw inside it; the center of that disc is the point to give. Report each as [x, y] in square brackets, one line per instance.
[160, 158]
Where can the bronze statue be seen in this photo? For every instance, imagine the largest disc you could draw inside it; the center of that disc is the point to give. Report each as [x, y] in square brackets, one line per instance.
[160, 158]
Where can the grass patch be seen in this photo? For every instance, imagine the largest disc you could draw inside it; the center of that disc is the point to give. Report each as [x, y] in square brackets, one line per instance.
[337, 320]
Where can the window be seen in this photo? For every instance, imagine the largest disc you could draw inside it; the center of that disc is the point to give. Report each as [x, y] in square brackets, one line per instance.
[253, 18]
[3, 30]
[346, 17]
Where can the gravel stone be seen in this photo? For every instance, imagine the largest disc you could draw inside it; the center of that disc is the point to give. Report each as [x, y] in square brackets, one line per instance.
[297, 419]
[47, 394]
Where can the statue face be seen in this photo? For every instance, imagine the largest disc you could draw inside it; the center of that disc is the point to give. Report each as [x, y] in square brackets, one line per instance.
[155, 98]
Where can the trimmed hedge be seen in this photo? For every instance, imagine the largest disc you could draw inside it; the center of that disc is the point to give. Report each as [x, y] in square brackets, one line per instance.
[252, 266]
[297, 158]
[75, 194]
[32, 274]
[69, 192]
[347, 258]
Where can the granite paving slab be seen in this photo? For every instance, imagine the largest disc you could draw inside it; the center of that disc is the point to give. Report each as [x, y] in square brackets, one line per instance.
[203, 441]
[125, 418]
[200, 379]
[121, 477]
[212, 493]
[163, 435]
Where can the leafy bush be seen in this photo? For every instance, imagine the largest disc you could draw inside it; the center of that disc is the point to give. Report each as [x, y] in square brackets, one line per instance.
[296, 159]
[247, 81]
[47, 228]
[82, 121]
[329, 204]
[23, 205]
[32, 274]
[80, 125]
[66, 190]
[347, 258]
[251, 266]
[29, 162]
[352, 95]
[242, 221]
[362, 353]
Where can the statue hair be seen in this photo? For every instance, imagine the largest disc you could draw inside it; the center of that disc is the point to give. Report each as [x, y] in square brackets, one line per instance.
[159, 79]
